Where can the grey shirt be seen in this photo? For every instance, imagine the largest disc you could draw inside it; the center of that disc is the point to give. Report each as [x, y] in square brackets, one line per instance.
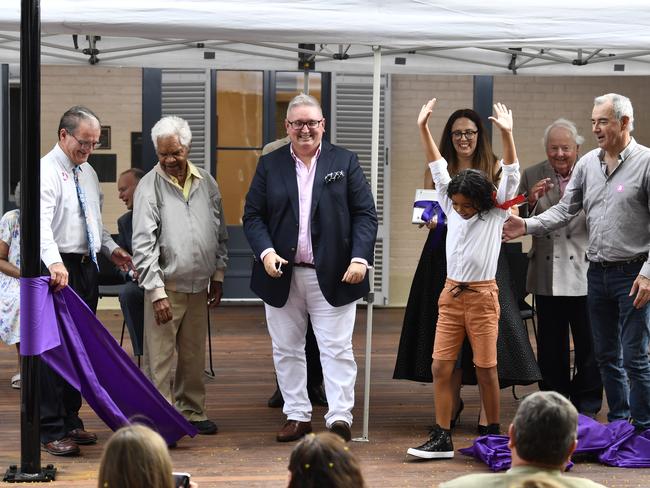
[616, 205]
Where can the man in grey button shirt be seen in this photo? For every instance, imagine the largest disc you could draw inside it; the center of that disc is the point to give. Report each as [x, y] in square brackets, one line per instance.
[612, 185]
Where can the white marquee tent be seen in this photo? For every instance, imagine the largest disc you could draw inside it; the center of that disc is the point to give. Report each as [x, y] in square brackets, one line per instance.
[549, 37]
[430, 36]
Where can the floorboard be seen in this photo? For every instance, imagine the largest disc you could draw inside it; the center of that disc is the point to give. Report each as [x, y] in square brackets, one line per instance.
[245, 454]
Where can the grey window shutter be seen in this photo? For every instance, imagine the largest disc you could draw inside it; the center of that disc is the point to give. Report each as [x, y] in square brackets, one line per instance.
[185, 94]
[351, 128]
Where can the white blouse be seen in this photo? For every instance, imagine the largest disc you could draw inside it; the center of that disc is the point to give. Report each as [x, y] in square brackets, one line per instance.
[473, 245]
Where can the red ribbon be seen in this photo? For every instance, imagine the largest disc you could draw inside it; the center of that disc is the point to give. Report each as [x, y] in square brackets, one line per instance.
[508, 203]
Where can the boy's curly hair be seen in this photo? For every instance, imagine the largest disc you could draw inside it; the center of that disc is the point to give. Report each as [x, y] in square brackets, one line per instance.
[474, 185]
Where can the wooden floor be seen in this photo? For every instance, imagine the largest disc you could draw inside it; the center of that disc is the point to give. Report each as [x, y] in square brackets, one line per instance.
[245, 454]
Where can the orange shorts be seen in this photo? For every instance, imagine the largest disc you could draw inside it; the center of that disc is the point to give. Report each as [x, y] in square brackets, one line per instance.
[472, 309]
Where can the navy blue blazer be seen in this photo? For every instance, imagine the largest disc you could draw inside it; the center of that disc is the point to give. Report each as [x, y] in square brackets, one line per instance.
[125, 229]
[343, 222]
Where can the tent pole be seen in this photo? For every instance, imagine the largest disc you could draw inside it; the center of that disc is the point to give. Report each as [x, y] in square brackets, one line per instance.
[30, 148]
[374, 176]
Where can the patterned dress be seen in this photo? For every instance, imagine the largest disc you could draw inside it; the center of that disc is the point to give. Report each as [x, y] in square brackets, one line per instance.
[10, 287]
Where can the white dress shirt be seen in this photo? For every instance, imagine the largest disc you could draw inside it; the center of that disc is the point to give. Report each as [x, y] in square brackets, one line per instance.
[473, 244]
[63, 229]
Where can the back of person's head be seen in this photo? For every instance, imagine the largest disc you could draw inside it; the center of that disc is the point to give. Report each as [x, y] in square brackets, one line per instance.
[545, 429]
[135, 457]
[324, 461]
[474, 185]
[483, 158]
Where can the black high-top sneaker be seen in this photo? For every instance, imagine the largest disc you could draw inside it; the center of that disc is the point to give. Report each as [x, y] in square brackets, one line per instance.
[439, 445]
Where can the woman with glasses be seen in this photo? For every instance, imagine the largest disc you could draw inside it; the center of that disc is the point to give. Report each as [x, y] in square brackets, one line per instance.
[464, 144]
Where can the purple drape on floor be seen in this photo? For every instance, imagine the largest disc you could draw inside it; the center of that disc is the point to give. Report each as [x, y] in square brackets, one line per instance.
[71, 340]
[492, 450]
[615, 444]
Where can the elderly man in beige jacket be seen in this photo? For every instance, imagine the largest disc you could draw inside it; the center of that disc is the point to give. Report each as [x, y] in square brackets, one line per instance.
[179, 246]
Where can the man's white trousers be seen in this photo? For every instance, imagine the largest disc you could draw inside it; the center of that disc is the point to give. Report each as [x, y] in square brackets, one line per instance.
[333, 327]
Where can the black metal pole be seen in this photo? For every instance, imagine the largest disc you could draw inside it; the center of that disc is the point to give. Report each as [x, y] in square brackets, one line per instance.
[30, 153]
[30, 264]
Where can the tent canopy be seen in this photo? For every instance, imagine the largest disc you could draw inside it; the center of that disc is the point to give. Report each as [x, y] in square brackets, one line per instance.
[417, 36]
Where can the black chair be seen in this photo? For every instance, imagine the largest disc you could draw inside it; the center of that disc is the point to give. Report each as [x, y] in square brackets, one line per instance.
[111, 284]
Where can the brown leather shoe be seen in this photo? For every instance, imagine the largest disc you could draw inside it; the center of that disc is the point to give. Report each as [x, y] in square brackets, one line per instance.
[293, 430]
[82, 437]
[342, 429]
[62, 447]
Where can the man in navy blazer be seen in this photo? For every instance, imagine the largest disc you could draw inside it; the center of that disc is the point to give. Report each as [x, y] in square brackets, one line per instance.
[311, 222]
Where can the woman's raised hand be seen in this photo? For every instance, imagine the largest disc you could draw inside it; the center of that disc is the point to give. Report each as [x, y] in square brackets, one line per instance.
[502, 117]
[425, 112]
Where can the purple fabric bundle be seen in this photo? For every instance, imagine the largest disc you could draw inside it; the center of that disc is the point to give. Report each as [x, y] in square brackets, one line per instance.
[493, 450]
[615, 444]
[72, 341]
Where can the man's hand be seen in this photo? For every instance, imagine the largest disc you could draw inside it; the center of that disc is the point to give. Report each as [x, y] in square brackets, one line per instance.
[640, 287]
[538, 190]
[122, 259]
[215, 293]
[273, 264]
[425, 112]
[431, 224]
[162, 311]
[502, 117]
[513, 228]
[355, 273]
[58, 276]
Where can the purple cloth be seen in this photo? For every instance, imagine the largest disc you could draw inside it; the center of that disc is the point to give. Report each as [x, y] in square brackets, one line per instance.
[432, 207]
[615, 444]
[493, 450]
[71, 340]
[594, 437]
[630, 450]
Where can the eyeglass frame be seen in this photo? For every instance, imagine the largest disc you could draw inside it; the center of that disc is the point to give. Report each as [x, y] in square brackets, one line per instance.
[459, 134]
[84, 144]
[304, 123]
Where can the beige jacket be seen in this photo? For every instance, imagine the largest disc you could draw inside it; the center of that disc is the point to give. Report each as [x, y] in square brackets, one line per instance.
[557, 261]
[178, 245]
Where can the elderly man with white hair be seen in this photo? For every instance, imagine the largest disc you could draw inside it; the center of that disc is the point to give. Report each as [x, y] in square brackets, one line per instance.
[612, 185]
[179, 246]
[557, 276]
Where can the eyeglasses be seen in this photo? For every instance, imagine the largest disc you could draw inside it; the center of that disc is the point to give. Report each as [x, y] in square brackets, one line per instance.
[299, 124]
[85, 144]
[467, 134]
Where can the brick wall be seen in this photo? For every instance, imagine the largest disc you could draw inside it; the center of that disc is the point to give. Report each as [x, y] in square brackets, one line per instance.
[115, 95]
[407, 164]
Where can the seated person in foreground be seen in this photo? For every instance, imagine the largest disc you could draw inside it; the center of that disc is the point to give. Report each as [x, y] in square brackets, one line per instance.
[323, 460]
[136, 457]
[543, 435]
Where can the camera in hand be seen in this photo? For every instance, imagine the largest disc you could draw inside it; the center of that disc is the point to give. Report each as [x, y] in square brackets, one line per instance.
[181, 480]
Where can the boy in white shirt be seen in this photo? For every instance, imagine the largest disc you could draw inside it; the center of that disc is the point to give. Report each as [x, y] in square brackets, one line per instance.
[469, 303]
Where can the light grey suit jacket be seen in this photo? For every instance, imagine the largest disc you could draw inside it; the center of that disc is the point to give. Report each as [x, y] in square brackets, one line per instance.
[558, 263]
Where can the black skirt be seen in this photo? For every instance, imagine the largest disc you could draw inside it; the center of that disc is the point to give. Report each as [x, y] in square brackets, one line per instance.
[516, 364]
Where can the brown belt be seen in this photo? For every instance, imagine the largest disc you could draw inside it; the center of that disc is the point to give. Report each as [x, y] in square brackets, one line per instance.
[305, 265]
